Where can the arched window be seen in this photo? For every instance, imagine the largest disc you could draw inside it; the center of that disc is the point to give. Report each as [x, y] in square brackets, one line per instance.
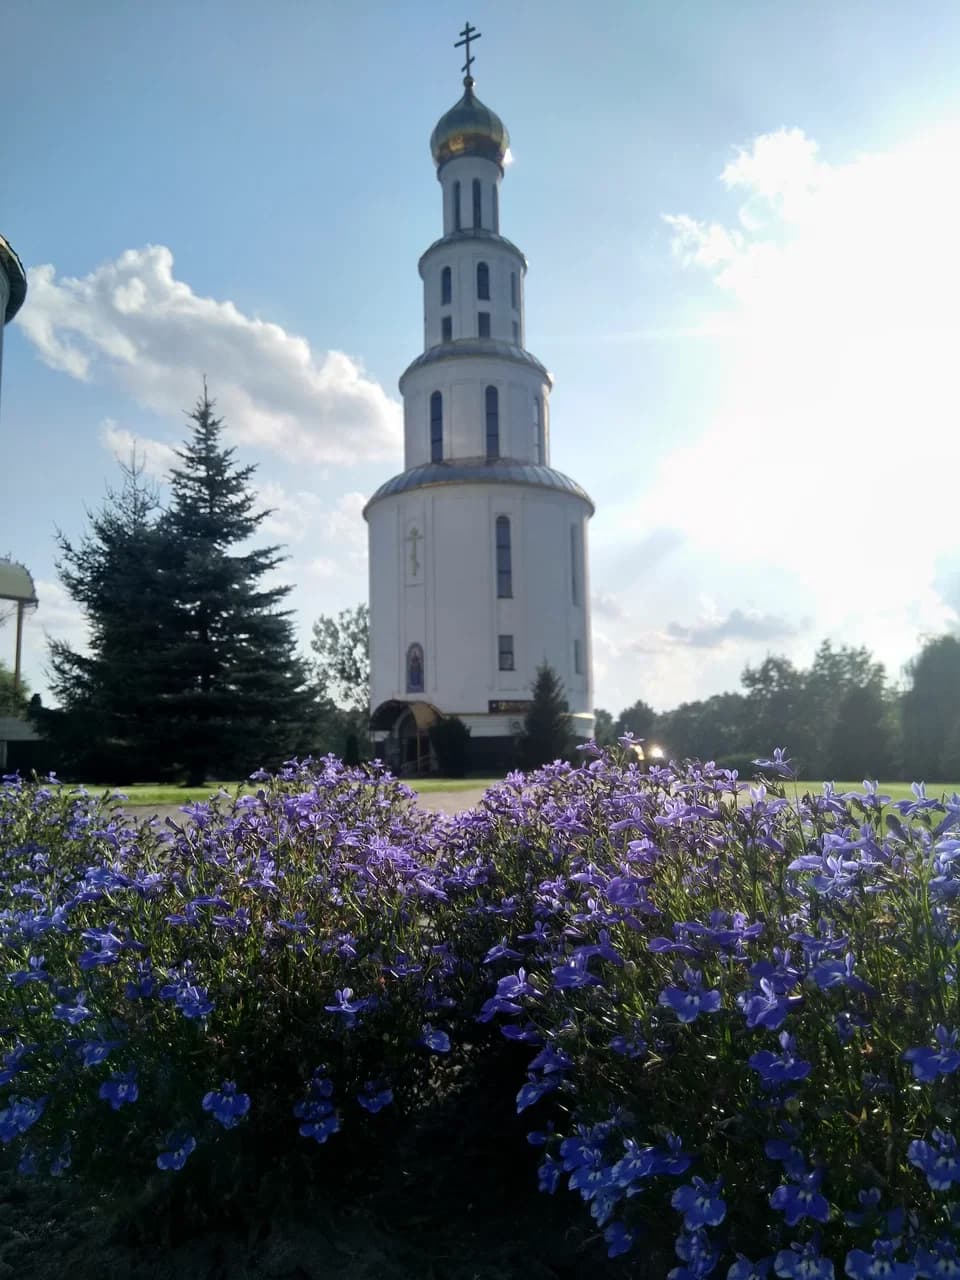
[492, 408]
[513, 291]
[446, 286]
[436, 427]
[456, 206]
[483, 281]
[496, 209]
[504, 559]
[415, 669]
[537, 430]
[446, 329]
[477, 189]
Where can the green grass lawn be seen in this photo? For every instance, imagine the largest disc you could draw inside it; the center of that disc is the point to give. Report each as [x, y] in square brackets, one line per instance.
[153, 793]
[895, 790]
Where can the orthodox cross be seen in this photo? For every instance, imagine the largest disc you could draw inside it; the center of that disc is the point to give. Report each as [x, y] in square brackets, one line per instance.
[414, 537]
[469, 33]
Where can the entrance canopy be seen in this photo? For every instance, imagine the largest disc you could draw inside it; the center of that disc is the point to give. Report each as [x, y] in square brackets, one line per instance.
[389, 713]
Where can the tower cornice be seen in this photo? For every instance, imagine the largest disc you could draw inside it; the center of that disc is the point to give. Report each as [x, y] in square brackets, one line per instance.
[464, 471]
[464, 237]
[476, 348]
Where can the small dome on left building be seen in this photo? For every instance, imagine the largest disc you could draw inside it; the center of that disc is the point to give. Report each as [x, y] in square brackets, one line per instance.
[469, 129]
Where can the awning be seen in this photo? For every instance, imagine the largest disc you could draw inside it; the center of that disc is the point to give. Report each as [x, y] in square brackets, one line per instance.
[388, 713]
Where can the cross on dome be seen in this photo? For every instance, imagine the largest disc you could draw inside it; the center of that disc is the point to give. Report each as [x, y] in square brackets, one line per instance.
[468, 33]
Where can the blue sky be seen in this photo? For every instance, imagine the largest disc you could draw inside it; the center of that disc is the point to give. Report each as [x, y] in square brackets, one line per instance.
[741, 222]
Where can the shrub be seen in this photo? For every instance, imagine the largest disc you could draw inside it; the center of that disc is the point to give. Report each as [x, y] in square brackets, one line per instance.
[735, 1006]
[449, 738]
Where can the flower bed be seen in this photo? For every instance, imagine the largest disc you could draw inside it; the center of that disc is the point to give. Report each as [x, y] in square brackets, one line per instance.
[729, 1011]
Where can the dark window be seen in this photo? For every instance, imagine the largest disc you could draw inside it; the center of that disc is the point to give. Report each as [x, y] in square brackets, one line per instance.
[477, 220]
[436, 427]
[483, 324]
[483, 281]
[456, 206]
[516, 334]
[505, 653]
[492, 409]
[415, 669]
[446, 286]
[513, 290]
[574, 566]
[504, 559]
[537, 431]
[496, 209]
[577, 658]
[446, 329]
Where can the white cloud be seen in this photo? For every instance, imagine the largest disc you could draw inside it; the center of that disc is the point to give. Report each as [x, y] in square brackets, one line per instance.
[131, 322]
[157, 458]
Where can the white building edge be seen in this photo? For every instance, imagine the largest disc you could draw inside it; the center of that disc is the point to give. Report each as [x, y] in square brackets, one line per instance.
[478, 549]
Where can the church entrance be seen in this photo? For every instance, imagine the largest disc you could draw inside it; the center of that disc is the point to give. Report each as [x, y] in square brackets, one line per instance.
[405, 747]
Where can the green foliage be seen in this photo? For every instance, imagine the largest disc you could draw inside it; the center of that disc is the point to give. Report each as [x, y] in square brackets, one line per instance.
[931, 708]
[638, 720]
[342, 646]
[192, 668]
[547, 729]
[604, 731]
[449, 738]
[12, 703]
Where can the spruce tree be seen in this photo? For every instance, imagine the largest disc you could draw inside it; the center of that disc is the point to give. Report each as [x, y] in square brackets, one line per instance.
[240, 695]
[547, 729]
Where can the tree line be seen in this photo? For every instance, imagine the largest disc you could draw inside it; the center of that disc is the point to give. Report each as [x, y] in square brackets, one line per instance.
[841, 717]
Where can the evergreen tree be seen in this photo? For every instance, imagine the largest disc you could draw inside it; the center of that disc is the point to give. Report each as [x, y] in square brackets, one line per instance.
[109, 725]
[547, 729]
[239, 694]
[12, 703]
[931, 707]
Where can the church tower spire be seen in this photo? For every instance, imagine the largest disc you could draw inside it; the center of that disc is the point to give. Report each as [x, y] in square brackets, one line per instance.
[478, 549]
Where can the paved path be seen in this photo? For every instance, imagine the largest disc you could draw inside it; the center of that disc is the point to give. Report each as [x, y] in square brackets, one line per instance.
[439, 801]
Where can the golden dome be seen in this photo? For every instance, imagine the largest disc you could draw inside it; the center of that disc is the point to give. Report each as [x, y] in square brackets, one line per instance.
[469, 129]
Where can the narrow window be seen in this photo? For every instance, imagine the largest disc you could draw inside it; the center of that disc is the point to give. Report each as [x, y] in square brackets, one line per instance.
[513, 290]
[446, 286]
[492, 408]
[436, 427]
[483, 281]
[496, 209]
[574, 566]
[577, 658]
[505, 652]
[483, 324]
[415, 669]
[456, 206]
[477, 221]
[516, 334]
[504, 559]
[537, 431]
[446, 329]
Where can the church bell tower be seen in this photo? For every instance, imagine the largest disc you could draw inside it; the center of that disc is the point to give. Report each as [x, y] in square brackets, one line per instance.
[478, 548]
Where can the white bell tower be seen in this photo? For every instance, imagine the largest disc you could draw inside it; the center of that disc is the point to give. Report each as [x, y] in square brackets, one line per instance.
[478, 549]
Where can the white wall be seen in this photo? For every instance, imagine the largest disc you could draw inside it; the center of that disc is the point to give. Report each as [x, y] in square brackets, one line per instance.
[450, 605]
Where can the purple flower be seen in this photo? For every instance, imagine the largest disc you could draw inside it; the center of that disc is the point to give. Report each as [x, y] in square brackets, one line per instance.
[689, 1003]
[437, 1041]
[35, 973]
[942, 1261]
[879, 1265]
[375, 1097]
[929, 1064]
[226, 1105]
[801, 1199]
[803, 1262]
[776, 1070]
[502, 951]
[699, 1255]
[835, 973]
[700, 1203]
[18, 1116]
[778, 764]
[573, 974]
[73, 1013]
[93, 1052]
[177, 1157]
[548, 1175]
[120, 1090]
[620, 1239]
[765, 1008]
[321, 1130]
[533, 1091]
[940, 1163]
[744, 1269]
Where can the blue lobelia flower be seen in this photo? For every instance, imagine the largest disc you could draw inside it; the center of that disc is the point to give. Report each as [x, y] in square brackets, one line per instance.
[778, 763]
[548, 1175]
[696, 1251]
[34, 973]
[942, 1261]
[119, 1090]
[929, 1064]
[573, 974]
[801, 1199]
[620, 1239]
[19, 1115]
[28, 1166]
[375, 1097]
[321, 1130]
[226, 1105]
[765, 1008]
[61, 1162]
[777, 1070]
[744, 1269]
[674, 1160]
[940, 1163]
[176, 1158]
[73, 1013]
[93, 1052]
[437, 1041]
[688, 1003]
[700, 1203]
[534, 1090]
[878, 1265]
[803, 1262]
